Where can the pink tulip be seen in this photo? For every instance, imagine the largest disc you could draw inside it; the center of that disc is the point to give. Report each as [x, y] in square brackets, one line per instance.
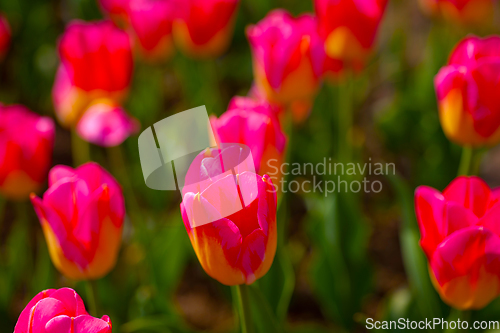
[461, 237]
[82, 216]
[467, 90]
[59, 311]
[26, 143]
[106, 124]
[96, 62]
[151, 25]
[5, 36]
[288, 57]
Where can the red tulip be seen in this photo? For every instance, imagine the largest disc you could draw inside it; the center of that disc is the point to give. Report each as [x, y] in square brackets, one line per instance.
[117, 10]
[460, 11]
[96, 62]
[461, 238]
[288, 57]
[349, 28]
[5, 35]
[204, 28]
[59, 311]
[230, 218]
[26, 143]
[82, 216]
[467, 90]
[151, 24]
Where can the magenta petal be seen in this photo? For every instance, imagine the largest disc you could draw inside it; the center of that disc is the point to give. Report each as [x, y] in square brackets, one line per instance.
[89, 324]
[457, 217]
[471, 192]
[253, 252]
[45, 310]
[72, 301]
[59, 324]
[59, 172]
[491, 220]
[24, 318]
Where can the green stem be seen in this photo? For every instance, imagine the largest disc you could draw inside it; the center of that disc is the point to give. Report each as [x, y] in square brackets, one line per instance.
[243, 304]
[80, 149]
[454, 316]
[91, 297]
[465, 161]
[345, 120]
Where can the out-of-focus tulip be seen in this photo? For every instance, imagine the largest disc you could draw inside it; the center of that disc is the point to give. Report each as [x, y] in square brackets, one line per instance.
[82, 216]
[26, 143]
[253, 123]
[5, 35]
[59, 311]
[349, 28]
[151, 24]
[460, 11]
[203, 28]
[96, 62]
[467, 90]
[106, 124]
[117, 10]
[234, 241]
[288, 57]
[460, 231]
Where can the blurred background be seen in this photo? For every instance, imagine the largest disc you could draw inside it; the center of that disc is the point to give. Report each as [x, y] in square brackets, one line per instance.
[338, 265]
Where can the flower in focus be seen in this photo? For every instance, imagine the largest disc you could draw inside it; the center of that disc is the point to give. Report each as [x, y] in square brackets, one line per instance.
[460, 231]
[106, 124]
[467, 90]
[59, 311]
[26, 143]
[96, 62]
[253, 123]
[203, 28]
[288, 57]
[232, 226]
[460, 11]
[117, 10]
[151, 23]
[5, 35]
[82, 216]
[349, 28]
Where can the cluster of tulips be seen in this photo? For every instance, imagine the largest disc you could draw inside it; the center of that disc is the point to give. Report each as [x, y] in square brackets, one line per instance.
[82, 212]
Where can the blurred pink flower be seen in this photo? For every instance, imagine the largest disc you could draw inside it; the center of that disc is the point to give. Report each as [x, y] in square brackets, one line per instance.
[460, 11]
[288, 57]
[26, 143]
[467, 90]
[82, 216]
[349, 28]
[106, 124]
[96, 61]
[59, 311]
[5, 35]
[203, 28]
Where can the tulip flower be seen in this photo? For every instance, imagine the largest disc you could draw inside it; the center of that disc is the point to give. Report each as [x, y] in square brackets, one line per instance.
[117, 10]
[203, 28]
[288, 57]
[460, 231]
[106, 124]
[96, 62]
[464, 12]
[5, 35]
[231, 225]
[26, 143]
[349, 28]
[151, 23]
[82, 216]
[253, 123]
[467, 90]
[59, 311]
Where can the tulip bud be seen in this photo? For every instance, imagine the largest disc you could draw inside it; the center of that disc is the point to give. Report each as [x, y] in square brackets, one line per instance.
[96, 62]
[59, 311]
[288, 57]
[230, 218]
[348, 28]
[26, 143]
[466, 12]
[106, 124]
[151, 25]
[461, 238]
[5, 35]
[82, 216]
[204, 28]
[467, 90]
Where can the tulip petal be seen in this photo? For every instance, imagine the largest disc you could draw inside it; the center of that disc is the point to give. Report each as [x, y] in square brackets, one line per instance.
[44, 311]
[24, 318]
[60, 172]
[471, 192]
[72, 301]
[253, 252]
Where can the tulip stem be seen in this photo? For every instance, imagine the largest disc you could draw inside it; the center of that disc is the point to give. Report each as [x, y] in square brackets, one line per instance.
[80, 149]
[465, 161]
[345, 120]
[91, 297]
[243, 303]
